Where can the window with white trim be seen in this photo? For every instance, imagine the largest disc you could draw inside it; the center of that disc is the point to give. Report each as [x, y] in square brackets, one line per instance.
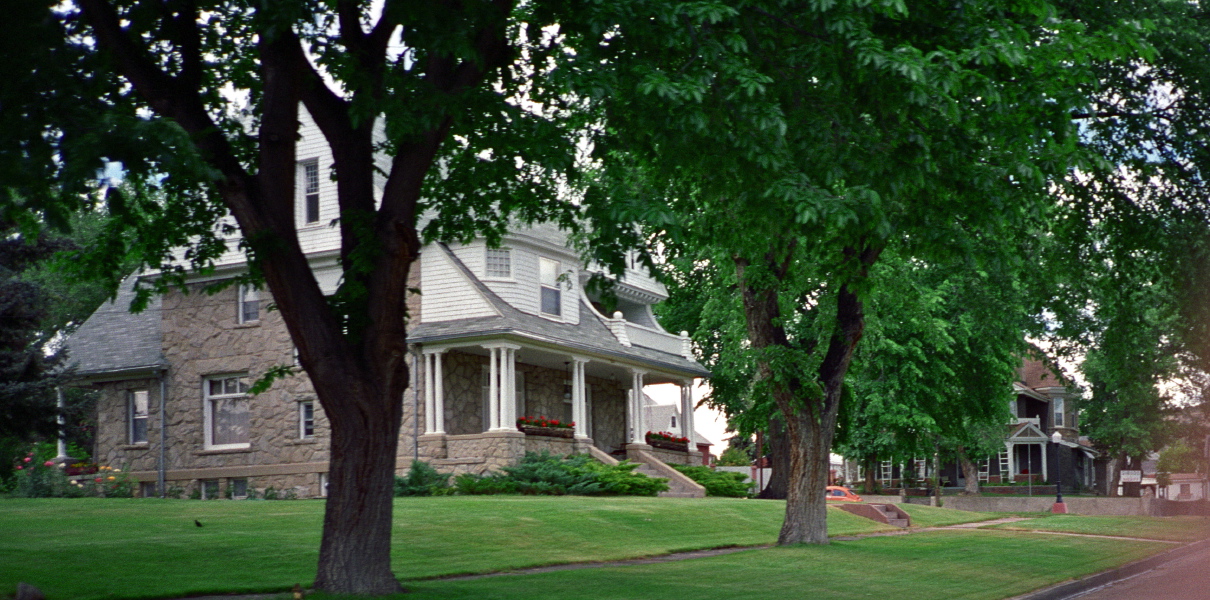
[1057, 403]
[237, 488]
[248, 304]
[552, 297]
[309, 184]
[209, 489]
[306, 420]
[136, 416]
[227, 412]
[498, 263]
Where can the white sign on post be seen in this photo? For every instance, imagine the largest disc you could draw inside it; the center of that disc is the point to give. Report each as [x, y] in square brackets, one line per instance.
[1132, 477]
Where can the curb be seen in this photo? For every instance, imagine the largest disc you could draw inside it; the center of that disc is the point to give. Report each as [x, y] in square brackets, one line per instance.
[1070, 589]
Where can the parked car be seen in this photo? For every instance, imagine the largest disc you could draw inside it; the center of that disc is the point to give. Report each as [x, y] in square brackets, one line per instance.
[842, 494]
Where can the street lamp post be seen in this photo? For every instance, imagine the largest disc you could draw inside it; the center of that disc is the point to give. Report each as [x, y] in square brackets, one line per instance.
[1060, 507]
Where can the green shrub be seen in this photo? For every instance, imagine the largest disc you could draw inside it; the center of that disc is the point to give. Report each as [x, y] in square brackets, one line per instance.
[718, 483]
[422, 480]
[546, 474]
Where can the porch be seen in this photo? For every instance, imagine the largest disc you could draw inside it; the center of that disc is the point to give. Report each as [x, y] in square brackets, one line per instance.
[473, 394]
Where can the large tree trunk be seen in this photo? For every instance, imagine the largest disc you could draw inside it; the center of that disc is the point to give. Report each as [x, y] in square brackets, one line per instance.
[779, 451]
[809, 408]
[871, 479]
[970, 472]
[355, 552]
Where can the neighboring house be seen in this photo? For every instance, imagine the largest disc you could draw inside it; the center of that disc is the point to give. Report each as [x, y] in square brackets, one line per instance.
[667, 417]
[1185, 487]
[1040, 409]
[497, 334]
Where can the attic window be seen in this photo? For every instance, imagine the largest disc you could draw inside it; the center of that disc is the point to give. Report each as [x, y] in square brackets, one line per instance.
[499, 263]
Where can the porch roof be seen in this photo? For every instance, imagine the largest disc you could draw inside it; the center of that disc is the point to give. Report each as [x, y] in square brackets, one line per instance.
[114, 342]
[589, 336]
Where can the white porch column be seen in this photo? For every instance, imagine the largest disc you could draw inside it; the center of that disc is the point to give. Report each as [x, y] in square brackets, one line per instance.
[502, 387]
[687, 412]
[1045, 478]
[493, 389]
[1010, 477]
[636, 402]
[508, 397]
[438, 393]
[579, 412]
[430, 410]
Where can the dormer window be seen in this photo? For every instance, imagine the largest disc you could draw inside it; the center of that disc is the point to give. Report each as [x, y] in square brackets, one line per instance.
[552, 296]
[309, 175]
[499, 263]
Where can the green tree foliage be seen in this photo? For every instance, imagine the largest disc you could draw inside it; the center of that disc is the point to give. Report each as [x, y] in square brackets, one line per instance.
[199, 102]
[799, 143]
[1180, 457]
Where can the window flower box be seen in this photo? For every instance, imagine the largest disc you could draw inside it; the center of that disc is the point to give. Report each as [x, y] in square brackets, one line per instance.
[667, 441]
[547, 427]
[559, 432]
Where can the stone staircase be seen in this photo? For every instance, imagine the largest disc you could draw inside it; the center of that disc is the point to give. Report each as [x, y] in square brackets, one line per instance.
[883, 513]
[679, 486]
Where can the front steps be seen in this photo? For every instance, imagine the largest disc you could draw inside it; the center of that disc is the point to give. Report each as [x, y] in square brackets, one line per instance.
[883, 513]
[679, 486]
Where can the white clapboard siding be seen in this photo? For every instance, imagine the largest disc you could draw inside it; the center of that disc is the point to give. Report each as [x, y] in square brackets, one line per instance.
[445, 294]
[321, 235]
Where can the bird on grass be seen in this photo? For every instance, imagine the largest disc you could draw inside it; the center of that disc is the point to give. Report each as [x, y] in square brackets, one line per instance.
[197, 522]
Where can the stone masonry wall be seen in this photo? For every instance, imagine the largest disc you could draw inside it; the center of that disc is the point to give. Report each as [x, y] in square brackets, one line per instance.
[112, 445]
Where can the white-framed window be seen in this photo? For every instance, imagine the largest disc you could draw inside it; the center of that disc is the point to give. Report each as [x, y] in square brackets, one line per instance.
[551, 300]
[209, 488]
[308, 183]
[306, 419]
[498, 263]
[227, 412]
[672, 422]
[1057, 403]
[136, 416]
[147, 489]
[248, 306]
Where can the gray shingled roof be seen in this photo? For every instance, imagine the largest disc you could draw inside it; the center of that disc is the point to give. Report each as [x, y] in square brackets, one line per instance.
[114, 341]
[589, 335]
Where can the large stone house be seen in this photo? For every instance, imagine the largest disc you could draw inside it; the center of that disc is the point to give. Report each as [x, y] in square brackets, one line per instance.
[496, 334]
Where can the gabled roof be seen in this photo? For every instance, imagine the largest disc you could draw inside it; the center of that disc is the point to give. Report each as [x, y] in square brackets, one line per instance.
[1026, 431]
[589, 335]
[114, 342]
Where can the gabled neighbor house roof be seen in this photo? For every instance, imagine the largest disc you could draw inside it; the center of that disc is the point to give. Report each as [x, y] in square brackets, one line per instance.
[589, 335]
[114, 342]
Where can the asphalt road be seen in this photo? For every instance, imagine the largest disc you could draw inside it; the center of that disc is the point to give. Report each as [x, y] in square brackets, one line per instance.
[1185, 578]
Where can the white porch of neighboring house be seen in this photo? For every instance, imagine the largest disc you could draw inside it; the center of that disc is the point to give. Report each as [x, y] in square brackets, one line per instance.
[465, 431]
[1027, 446]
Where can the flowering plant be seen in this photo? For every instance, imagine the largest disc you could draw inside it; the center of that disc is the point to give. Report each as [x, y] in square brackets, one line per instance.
[664, 436]
[541, 421]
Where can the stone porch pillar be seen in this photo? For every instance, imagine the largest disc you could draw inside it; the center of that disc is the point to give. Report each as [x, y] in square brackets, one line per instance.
[579, 412]
[637, 421]
[434, 392]
[502, 386]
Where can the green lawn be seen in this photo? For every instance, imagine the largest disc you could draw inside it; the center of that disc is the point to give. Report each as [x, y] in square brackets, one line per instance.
[953, 565]
[97, 548]
[151, 547]
[933, 516]
[1177, 529]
